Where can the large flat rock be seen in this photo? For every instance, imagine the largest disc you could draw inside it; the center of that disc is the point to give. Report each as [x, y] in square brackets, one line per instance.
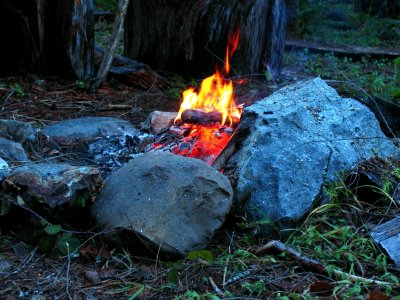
[75, 130]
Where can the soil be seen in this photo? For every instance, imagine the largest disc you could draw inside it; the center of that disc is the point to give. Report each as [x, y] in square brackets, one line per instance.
[98, 272]
[102, 272]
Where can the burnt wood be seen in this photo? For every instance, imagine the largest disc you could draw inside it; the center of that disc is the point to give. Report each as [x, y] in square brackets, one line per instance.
[190, 37]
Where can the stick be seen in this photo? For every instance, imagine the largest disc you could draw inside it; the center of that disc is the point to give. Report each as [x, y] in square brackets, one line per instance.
[112, 46]
[217, 290]
[311, 263]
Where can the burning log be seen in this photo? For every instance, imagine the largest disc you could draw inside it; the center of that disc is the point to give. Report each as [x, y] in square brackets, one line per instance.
[195, 116]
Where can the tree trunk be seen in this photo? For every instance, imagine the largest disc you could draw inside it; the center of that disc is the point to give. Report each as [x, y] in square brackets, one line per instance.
[190, 37]
[66, 36]
[49, 36]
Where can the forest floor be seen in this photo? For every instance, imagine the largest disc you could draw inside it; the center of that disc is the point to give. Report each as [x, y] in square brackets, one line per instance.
[235, 265]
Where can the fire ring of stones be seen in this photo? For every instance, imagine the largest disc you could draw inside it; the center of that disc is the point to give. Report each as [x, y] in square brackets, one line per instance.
[290, 145]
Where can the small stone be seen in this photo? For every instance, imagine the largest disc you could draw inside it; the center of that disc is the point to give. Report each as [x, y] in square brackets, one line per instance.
[92, 276]
[5, 265]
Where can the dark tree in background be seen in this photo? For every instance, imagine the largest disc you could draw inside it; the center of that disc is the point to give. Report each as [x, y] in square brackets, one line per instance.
[19, 49]
[190, 37]
[47, 36]
[388, 8]
[292, 10]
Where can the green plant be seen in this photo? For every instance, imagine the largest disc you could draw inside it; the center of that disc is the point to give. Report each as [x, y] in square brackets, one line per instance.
[254, 288]
[108, 5]
[335, 235]
[189, 295]
[19, 90]
[80, 85]
[66, 242]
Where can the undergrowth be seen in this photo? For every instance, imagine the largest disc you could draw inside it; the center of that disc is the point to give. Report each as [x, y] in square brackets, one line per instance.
[336, 235]
[377, 77]
[339, 23]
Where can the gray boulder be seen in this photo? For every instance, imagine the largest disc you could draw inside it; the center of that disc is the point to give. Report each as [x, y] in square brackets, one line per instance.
[296, 140]
[175, 202]
[75, 130]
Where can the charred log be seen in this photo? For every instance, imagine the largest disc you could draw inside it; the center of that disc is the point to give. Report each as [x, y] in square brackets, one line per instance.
[180, 36]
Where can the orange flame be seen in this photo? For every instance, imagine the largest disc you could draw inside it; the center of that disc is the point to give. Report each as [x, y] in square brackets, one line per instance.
[216, 93]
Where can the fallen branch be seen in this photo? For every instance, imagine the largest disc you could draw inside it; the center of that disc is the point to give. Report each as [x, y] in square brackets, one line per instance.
[314, 264]
[112, 47]
[354, 52]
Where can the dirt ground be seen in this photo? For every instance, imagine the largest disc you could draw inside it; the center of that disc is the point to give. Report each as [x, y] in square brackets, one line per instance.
[98, 272]
[103, 272]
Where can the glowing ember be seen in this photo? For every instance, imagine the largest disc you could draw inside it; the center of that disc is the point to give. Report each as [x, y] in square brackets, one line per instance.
[215, 94]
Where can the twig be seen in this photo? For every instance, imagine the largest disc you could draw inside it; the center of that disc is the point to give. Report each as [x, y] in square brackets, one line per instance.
[9, 95]
[311, 263]
[240, 276]
[22, 265]
[68, 269]
[216, 288]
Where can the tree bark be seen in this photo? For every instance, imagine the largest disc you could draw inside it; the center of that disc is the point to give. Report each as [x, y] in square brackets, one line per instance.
[66, 37]
[190, 37]
[47, 36]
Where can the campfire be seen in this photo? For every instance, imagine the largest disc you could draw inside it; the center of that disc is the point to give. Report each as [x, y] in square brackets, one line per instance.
[208, 117]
